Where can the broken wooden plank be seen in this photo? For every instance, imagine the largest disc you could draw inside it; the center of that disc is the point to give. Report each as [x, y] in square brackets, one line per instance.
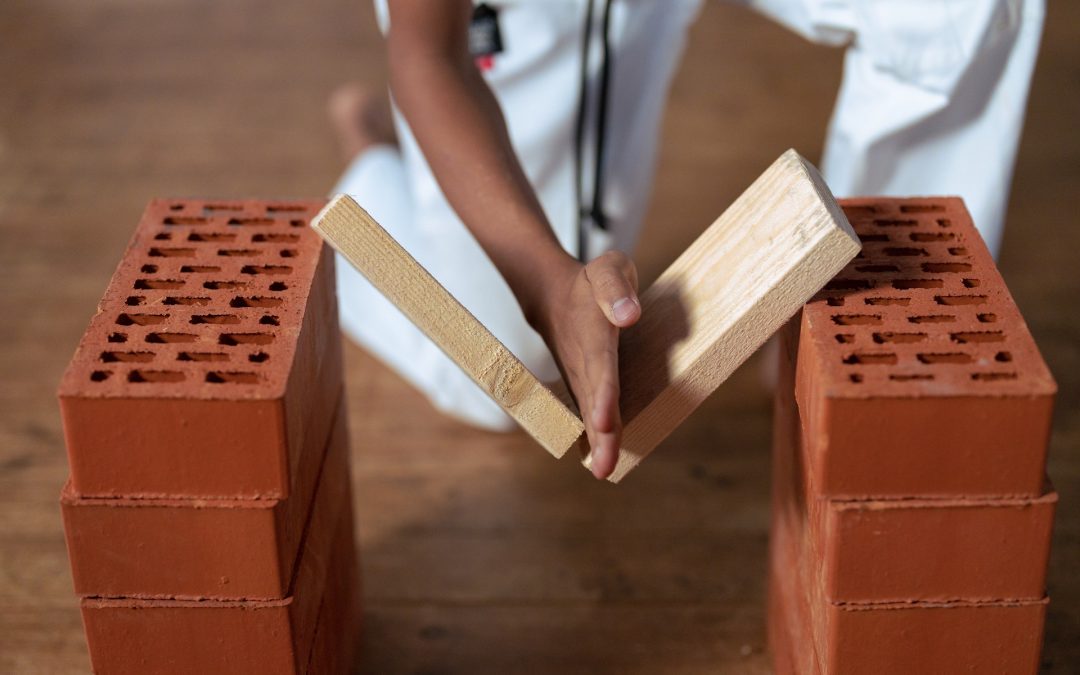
[778, 244]
[389, 267]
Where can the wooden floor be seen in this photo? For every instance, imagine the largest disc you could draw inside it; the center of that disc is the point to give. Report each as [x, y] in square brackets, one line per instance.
[480, 553]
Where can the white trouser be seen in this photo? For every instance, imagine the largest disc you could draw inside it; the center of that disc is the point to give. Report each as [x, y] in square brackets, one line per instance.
[933, 95]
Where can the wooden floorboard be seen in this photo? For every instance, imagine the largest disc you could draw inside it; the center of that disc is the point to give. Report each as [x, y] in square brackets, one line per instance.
[480, 553]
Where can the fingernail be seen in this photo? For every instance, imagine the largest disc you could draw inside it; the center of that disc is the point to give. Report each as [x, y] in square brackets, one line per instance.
[623, 309]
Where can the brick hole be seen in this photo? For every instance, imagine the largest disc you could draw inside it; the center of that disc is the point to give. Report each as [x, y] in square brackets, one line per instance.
[958, 251]
[860, 255]
[895, 222]
[125, 319]
[960, 299]
[269, 320]
[275, 238]
[117, 337]
[258, 357]
[158, 252]
[972, 283]
[855, 378]
[288, 253]
[239, 252]
[286, 208]
[185, 300]
[266, 269]
[861, 210]
[871, 359]
[100, 375]
[296, 222]
[232, 377]
[873, 237]
[932, 236]
[148, 269]
[158, 284]
[887, 300]
[224, 285]
[896, 377]
[185, 220]
[876, 269]
[278, 286]
[255, 301]
[163, 236]
[856, 319]
[939, 267]
[202, 356]
[944, 222]
[223, 207]
[987, 318]
[155, 376]
[978, 336]
[133, 300]
[199, 269]
[234, 339]
[834, 302]
[176, 207]
[127, 357]
[849, 285]
[902, 338]
[216, 319]
[170, 338]
[905, 251]
[921, 208]
[251, 222]
[908, 284]
[1003, 357]
[993, 377]
[845, 338]
[215, 237]
[932, 318]
[944, 357]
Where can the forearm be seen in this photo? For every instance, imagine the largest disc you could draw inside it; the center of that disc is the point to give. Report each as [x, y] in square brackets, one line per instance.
[458, 124]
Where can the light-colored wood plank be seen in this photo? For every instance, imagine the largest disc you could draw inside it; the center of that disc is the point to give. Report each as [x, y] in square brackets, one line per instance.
[779, 243]
[389, 267]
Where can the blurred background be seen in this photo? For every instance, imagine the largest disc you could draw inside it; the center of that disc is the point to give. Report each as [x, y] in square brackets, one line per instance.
[479, 553]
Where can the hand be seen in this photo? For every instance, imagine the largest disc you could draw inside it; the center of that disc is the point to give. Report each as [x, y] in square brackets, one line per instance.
[580, 319]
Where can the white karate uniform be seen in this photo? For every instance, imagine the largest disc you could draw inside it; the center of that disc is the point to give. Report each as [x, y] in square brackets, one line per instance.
[932, 102]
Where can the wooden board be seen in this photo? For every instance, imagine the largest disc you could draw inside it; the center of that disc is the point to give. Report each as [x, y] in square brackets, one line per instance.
[389, 267]
[777, 245]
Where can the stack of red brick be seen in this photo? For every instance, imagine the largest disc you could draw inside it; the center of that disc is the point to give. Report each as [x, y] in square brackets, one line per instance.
[911, 510]
[208, 513]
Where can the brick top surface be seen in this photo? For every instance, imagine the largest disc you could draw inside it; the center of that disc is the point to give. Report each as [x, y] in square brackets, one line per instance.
[922, 311]
[206, 303]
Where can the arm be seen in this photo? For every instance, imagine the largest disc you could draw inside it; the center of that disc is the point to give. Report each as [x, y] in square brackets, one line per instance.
[458, 125]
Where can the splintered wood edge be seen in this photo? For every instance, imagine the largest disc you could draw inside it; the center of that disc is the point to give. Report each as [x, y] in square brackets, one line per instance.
[351, 231]
[835, 246]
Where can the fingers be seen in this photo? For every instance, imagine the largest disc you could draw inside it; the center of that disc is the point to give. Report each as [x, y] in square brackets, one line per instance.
[603, 422]
[613, 279]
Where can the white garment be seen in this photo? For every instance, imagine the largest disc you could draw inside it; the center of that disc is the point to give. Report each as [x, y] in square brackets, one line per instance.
[932, 102]
[933, 96]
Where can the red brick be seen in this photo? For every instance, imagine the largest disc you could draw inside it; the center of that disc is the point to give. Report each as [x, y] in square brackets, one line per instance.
[195, 549]
[197, 375]
[129, 635]
[978, 548]
[337, 629]
[917, 374]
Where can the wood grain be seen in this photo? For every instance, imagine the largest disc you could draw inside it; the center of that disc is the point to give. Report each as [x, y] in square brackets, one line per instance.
[779, 243]
[389, 267]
